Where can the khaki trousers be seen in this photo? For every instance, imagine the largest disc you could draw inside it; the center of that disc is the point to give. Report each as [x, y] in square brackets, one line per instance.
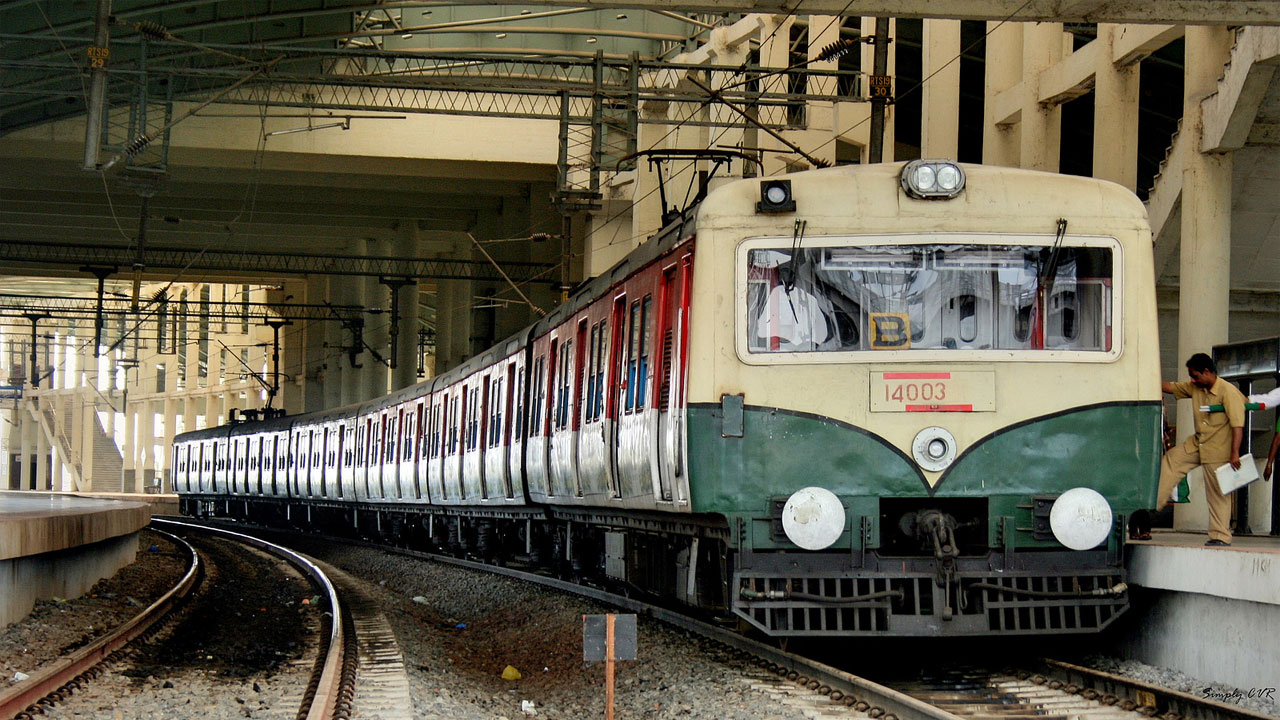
[1177, 463]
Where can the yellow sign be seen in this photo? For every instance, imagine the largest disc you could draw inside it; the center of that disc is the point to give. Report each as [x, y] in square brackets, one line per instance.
[98, 56]
[881, 86]
[890, 331]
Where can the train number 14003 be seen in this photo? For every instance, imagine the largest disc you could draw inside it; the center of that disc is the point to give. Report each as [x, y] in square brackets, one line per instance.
[932, 391]
[915, 391]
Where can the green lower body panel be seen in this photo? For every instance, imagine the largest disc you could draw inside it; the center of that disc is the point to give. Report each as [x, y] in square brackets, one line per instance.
[998, 568]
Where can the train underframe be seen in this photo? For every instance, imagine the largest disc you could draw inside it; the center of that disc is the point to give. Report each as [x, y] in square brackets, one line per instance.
[691, 561]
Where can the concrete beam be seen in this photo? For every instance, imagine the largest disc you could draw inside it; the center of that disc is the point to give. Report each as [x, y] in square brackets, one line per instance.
[1135, 42]
[1214, 12]
[1007, 106]
[1072, 77]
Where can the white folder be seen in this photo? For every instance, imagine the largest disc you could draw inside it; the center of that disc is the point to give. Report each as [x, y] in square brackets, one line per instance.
[1230, 479]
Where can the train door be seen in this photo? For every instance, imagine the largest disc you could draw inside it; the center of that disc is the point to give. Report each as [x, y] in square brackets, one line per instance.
[636, 424]
[410, 422]
[255, 455]
[672, 360]
[435, 447]
[617, 356]
[390, 457]
[422, 415]
[505, 411]
[537, 434]
[480, 438]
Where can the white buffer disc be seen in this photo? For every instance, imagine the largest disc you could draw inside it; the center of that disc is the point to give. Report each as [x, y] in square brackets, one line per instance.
[813, 518]
[1080, 518]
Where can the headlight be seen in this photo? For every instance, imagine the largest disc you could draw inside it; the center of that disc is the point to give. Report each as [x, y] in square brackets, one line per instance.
[1080, 518]
[813, 518]
[934, 449]
[932, 179]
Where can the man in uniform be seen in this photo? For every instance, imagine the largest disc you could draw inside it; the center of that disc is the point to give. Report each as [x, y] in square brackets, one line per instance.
[1215, 441]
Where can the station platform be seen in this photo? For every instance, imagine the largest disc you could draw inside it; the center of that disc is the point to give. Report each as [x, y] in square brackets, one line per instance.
[1210, 612]
[57, 545]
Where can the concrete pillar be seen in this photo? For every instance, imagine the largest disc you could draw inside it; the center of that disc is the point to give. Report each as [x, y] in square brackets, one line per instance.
[87, 430]
[130, 450]
[42, 461]
[170, 429]
[1205, 251]
[868, 66]
[940, 97]
[146, 444]
[406, 358]
[29, 429]
[1041, 135]
[819, 116]
[1000, 143]
[1115, 115]
[56, 469]
[311, 338]
[453, 314]
[348, 377]
[189, 410]
[377, 330]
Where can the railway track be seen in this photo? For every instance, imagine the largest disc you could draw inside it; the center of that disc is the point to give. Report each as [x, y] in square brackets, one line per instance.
[331, 689]
[1056, 689]
[329, 694]
[46, 688]
[1046, 689]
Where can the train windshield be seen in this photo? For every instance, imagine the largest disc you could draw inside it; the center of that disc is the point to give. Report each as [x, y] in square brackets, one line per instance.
[929, 297]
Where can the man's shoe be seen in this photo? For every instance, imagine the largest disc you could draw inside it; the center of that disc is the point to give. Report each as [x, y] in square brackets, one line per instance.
[1217, 543]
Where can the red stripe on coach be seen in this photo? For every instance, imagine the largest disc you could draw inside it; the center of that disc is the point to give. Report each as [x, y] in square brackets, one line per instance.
[917, 376]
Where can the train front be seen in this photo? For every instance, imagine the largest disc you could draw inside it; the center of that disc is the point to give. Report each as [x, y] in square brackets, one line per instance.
[925, 396]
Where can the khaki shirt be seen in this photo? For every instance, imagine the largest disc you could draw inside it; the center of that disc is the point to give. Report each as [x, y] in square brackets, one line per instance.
[1213, 430]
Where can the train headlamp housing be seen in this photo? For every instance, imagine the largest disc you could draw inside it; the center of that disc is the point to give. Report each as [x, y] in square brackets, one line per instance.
[1080, 518]
[775, 197]
[932, 179]
[813, 518]
[934, 448]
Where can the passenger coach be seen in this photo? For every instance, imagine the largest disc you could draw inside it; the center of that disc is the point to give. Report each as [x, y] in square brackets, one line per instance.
[912, 399]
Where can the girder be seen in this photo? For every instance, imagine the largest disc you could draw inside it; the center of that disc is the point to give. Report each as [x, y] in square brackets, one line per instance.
[267, 264]
[58, 307]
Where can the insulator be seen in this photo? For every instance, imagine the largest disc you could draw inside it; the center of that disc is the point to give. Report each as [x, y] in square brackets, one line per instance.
[136, 145]
[153, 30]
[837, 49]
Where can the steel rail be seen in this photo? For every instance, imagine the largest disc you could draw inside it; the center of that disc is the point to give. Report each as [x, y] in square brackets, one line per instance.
[47, 685]
[322, 704]
[1168, 704]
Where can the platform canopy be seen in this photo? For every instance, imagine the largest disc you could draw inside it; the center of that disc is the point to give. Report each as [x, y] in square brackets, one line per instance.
[1176, 12]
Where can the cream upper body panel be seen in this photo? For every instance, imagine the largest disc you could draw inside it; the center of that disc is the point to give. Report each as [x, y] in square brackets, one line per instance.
[855, 205]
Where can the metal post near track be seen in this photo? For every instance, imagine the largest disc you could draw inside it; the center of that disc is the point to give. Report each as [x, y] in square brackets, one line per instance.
[608, 638]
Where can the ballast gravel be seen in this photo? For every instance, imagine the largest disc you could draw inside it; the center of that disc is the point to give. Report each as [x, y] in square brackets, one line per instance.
[460, 629]
[1259, 700]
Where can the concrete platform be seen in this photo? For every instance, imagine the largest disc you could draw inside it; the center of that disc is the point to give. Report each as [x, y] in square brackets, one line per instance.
[55, 545]
[159, 503]
[1211, 612]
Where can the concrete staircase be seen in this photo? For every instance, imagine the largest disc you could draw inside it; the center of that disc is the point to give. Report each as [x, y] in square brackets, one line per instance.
[107, 462]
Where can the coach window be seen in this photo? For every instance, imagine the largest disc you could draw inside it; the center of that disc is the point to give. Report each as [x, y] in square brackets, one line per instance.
[638, 354]
[453, 429]
[495, 410]
[565, 372]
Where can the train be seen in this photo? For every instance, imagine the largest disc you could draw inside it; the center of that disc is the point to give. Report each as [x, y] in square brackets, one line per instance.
[911, 399]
